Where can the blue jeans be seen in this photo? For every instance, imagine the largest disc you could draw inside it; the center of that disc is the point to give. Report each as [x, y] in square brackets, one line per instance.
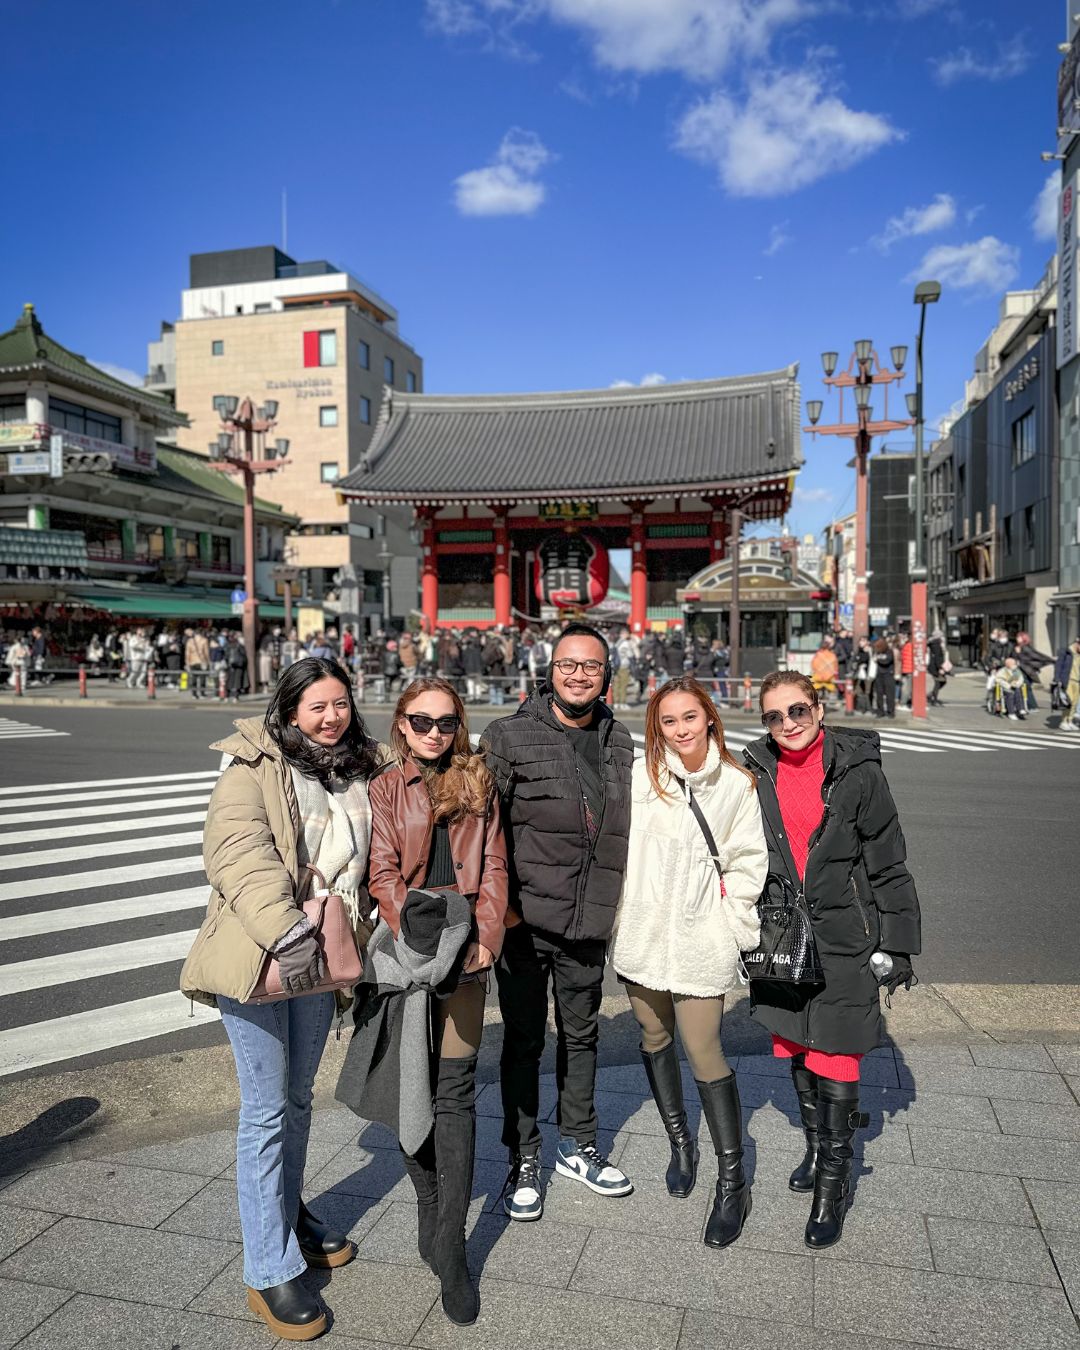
[277, 1047]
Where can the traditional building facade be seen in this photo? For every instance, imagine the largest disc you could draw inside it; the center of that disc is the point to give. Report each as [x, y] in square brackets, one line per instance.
[499, 484]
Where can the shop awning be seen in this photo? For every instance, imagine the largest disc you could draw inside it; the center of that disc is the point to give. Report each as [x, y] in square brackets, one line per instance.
[173, 605]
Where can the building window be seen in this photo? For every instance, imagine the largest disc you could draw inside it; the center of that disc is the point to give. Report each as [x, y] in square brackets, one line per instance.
[388, 369]
[12, 408]
[74, 417]
[365, 410]
[264, 308]
[217, 347]
[410, 381]
[1008, 536]
[320, 348]
[364, 351]
[1029, 529]
[328, 473]
[328, 416]
[1023, 438]
[220, 552]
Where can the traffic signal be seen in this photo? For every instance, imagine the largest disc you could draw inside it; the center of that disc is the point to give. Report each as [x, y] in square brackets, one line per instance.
[787, 559]
[87, 462]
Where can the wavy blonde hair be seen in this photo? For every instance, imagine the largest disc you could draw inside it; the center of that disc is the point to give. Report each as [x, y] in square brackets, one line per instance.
[655, 745]
[466, 788]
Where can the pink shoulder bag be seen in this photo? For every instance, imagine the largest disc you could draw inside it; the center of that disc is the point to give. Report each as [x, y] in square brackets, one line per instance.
[341, 961]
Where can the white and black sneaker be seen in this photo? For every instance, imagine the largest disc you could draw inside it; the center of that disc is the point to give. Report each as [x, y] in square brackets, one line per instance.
[523, 1196]
[585, 1162]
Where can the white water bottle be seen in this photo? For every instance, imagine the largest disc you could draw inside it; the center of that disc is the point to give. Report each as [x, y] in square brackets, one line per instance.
[881, 963]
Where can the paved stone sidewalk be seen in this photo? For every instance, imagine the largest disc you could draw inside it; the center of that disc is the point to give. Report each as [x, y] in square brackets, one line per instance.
[965, 1230]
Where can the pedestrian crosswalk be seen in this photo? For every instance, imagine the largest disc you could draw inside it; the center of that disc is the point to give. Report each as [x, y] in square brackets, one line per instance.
[934, 741]
[11, 730]
[101, 894]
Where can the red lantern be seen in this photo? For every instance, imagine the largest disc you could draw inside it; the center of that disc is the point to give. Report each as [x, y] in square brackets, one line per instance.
[572, 570]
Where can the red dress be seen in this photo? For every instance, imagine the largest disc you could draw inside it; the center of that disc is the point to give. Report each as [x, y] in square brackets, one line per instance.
[799, 776]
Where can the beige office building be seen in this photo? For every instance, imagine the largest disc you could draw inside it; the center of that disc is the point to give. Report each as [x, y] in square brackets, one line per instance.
[325, 348]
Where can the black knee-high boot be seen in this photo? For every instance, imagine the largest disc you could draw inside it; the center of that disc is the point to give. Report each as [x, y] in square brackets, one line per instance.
[455, 1148]
[806, 1081]
[425, 1179]
[838, 1119]
[665, 1080]
[723, 1112]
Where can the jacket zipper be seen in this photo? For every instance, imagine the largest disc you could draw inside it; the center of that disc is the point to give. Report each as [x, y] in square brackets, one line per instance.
[858, 901]
[583, 803]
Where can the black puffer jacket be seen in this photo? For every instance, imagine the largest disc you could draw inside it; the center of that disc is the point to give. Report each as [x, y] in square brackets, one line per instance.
[560, 880]
[861, 895]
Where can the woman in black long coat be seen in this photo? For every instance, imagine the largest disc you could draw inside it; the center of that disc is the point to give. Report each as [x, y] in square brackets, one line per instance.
[833, 834]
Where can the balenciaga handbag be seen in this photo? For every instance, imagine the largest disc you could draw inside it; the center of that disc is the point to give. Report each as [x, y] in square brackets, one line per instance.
[787, 951]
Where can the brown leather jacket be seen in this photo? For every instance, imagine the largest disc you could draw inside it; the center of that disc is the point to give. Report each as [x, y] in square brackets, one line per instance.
[401, 825]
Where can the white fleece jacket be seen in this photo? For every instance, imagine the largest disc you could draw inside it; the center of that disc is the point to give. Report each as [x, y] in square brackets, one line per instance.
[674, 929]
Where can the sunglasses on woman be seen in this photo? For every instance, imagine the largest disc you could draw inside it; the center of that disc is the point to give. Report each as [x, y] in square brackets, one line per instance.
[421, 723]
[801, 713]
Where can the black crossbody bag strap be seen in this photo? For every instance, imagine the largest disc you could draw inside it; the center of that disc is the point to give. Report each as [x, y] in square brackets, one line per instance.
[699, 816]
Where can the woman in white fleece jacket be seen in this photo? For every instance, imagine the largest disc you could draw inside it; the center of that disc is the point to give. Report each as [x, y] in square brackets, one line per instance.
[681, 926]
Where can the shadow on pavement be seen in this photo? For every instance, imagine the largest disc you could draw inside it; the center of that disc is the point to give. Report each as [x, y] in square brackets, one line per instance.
[31, 1144]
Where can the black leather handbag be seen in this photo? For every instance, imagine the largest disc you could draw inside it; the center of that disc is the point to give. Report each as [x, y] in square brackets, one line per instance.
[787, 951]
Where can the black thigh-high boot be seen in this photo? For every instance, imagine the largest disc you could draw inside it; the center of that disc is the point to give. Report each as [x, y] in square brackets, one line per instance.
[425, 1179]
[455, 1147]
[665, 1080]
[722, 1110]
[806, 1081]
[838, 1119]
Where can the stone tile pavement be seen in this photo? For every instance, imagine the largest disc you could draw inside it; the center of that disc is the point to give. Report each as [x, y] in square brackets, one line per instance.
[965, 1230]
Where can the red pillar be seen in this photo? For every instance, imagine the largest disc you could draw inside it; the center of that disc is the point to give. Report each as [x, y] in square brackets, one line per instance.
[502, 572]
[429, 585]
[861, 623]
[918, 648]
[639, 588]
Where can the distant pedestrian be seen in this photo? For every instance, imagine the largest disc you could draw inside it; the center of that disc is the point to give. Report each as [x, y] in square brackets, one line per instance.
[236, 669]
[938, 666]
[1030, 662]
[196, 661]
[1067, 685]
[884, 684]
[294, 794]
[823, 793]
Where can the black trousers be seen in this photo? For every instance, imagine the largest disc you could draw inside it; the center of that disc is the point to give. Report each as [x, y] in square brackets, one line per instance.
[885, 692]
[530, 959]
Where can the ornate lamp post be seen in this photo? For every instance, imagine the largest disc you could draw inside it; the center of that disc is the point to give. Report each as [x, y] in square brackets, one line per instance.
[864, 371]
[241, 448]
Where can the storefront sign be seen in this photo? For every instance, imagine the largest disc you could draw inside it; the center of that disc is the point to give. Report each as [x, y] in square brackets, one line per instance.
[1069, 90]
[1067, 309]
[25, 462]
[568, 510]
[1027, 372]
[125, 456]
[22, 433]
[572, 570]
[315, 387]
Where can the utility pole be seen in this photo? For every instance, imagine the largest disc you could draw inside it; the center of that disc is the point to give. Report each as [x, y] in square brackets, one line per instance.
[926, 293]
[735, 618]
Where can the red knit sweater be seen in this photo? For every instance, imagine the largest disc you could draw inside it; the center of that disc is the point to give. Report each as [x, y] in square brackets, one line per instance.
[799, 776]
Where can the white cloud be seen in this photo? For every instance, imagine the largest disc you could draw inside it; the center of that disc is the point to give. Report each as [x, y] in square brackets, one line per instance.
[936, 215]
[1044, 209]
[790, 132]
[985, 266]
[818, 494]
[697, 38]
[778, 238]
[1012, 58]
[509, 185]
[649, 381]
[119, 373]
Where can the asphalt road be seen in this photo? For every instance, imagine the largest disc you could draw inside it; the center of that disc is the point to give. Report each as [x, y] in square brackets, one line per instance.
[991, 836]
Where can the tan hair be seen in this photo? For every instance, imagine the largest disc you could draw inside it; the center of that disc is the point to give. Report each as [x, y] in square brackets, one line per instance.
[781, 677]
[465, 789]
[655, 744]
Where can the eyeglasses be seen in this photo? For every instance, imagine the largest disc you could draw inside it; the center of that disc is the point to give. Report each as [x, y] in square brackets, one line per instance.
[567, 667]
[421, 723]
[802, 713]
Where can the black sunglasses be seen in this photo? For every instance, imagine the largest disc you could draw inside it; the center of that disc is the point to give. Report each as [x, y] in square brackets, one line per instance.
[421, 723]
[802, 713]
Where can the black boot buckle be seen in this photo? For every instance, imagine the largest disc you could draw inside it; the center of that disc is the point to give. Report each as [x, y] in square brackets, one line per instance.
[858, 1120]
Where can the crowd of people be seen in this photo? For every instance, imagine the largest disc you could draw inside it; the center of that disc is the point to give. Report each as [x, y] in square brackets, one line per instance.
[534, 859]
[880, 669]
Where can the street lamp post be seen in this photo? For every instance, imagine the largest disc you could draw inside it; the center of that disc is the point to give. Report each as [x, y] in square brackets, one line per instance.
[926, 293]
[385, 557]
[241, 448]
[864, 371]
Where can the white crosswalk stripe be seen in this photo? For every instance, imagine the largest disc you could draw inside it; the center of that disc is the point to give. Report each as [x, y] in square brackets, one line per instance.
[10, 730]
[934, 741]
[90, 946]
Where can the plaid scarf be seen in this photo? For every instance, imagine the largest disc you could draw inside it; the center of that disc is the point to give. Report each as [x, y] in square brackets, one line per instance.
[335, 837]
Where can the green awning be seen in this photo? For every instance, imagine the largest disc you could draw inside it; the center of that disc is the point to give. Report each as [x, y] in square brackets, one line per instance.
[174, 606]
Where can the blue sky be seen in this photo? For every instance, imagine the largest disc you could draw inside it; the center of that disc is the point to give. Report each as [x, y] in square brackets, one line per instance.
[554, 193]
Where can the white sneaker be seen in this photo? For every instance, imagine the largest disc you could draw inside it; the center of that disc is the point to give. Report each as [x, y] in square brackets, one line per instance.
[585, 1162]
[1066, 725]
[1013, 717]
[523, 1197]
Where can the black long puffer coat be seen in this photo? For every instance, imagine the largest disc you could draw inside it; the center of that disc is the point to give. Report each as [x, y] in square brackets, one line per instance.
[561, 881]
[860, 893]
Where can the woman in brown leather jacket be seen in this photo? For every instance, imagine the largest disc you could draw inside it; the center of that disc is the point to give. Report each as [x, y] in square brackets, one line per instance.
[436, 824]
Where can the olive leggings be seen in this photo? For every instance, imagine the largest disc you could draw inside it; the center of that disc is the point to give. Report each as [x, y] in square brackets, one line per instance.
[698, 1020]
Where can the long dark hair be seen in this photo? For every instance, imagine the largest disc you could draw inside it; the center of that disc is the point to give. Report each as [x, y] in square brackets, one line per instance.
[354, 755]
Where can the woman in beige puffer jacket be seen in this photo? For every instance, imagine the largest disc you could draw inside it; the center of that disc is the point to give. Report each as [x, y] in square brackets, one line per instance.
[294, 795]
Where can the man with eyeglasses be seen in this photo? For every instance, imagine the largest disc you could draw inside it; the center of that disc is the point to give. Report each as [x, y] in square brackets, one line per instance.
[562, 764]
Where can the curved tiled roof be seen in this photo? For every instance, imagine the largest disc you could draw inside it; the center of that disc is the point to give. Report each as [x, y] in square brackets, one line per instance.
[705, 435]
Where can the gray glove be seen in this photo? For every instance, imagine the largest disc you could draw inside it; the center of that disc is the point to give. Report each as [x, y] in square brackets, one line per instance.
[300, 965]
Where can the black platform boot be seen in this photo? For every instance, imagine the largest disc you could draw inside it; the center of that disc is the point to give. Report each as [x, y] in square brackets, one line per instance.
[425, 1179]
[455, 1147]
[665, 1080]
[806, 1081]
[723, 1113]
[838, 1119]
[320, 1245]
[290, 1310]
